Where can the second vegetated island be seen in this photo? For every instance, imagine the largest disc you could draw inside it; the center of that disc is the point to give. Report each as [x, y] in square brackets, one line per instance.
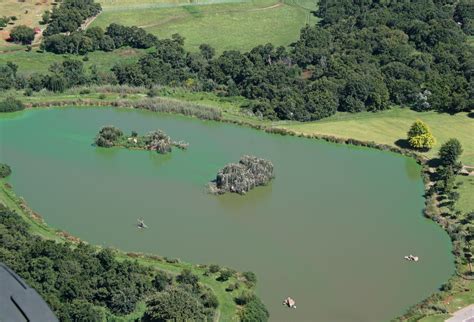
[241, 177]
[110, 136]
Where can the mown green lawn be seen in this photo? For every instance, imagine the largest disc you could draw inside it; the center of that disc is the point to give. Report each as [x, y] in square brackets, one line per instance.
[390, 126]
[466, 191]
[225, 26]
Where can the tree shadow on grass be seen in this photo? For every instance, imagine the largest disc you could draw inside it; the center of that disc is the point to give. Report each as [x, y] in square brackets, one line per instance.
[403, 143]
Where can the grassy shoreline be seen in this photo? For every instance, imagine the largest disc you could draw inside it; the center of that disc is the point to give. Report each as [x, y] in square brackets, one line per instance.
[462, 291]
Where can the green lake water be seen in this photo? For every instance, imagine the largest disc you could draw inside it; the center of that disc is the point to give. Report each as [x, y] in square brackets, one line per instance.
[330, 231]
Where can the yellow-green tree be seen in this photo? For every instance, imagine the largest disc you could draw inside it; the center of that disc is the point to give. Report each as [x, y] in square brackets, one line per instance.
[420, 137]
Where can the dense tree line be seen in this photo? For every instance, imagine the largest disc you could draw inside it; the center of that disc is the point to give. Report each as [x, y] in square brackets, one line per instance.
[361, 56]
[81, 283]
[69, 16]
[94, 38]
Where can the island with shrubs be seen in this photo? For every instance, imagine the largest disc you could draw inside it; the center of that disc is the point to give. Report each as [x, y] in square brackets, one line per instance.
[159, 141]
[243, 176]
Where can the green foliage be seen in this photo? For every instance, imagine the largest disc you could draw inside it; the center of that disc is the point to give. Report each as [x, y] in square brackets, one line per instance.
[187, 277]
[5, 170]
[22, 34]
[69, 16]
[450, 152]
[175, 304]
[250, 277]
[81, 42]
[254, 310]
[244, 297]
[214, 268]
[225, 275]
[11, 104]
[8, 75]
[79, 283]
[4, 21]
[464, 15]
[162, 281]
[108, 136]
[420, 137]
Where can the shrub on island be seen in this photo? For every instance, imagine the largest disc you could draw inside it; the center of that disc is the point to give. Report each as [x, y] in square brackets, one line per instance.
[157, 140]
[241, 177]
[108, 136]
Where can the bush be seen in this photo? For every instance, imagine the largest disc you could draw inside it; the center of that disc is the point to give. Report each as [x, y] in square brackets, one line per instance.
[11, 104]
[152, 92]
[162, 280]
[28, 91]
[254, 310]
[22, 34]
[187, 277]
[176, 304]
[232, 287]
[244, 297]
[250, 277]
[225, 275]
[5, 170]
[214, 268]
[450, 152]
[108, 136]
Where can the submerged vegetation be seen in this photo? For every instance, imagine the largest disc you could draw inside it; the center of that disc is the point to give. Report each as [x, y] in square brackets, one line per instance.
[157, 140]
[242, 177]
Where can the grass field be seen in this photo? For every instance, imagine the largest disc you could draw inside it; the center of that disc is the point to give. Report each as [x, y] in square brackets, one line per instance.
[225, 25]
[28, 12]
[31, 62]
[390, 126]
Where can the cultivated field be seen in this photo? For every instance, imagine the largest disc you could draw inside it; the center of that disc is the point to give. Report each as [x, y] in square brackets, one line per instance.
[223, 24]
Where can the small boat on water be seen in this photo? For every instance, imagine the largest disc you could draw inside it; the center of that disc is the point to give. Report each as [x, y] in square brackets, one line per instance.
[411, 258]
[141, 224]
[290, 303]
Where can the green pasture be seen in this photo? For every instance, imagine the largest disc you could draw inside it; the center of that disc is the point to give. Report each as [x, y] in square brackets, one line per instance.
[224, 25]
